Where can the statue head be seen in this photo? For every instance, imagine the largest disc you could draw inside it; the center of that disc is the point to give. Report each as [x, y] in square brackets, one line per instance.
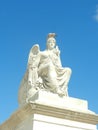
[51, 41]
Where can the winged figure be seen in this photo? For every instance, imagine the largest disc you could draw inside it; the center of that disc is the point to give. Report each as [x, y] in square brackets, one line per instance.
[45, 71]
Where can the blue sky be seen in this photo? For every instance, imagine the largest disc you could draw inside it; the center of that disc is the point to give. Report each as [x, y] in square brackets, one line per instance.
[24, 23]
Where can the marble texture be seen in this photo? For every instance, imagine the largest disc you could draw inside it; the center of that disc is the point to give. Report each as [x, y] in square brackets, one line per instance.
[48, 98]
[44, 72]
[43, 96]
[37, 116]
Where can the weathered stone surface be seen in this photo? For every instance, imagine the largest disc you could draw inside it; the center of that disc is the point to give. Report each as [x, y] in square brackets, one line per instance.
[30, 116]
[44, 72]
[43, 96]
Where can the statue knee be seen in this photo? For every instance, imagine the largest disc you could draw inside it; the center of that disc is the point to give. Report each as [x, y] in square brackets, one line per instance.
[69, 71]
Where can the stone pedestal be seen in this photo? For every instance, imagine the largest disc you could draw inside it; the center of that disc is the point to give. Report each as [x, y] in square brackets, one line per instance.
[49, 111]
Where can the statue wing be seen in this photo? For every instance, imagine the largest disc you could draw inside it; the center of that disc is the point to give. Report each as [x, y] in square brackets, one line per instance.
[35, 49]
[24, 86]
[33, 53]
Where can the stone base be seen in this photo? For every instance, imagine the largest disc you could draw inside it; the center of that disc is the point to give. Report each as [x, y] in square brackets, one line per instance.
[49, 111]
[42, 122]
[51, 99]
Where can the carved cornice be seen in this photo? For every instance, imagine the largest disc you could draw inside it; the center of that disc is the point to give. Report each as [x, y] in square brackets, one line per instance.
[49, 110]
[66, 113]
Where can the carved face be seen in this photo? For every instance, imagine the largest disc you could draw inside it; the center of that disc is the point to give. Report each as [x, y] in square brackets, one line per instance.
[51, 42]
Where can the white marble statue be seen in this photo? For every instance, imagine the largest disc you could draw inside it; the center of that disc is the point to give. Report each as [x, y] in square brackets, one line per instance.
[45, 71]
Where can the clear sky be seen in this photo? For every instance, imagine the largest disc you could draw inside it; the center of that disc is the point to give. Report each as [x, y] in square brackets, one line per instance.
[26, 22]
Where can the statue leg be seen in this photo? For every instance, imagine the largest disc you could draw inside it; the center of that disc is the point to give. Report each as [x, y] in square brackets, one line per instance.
[64, 88]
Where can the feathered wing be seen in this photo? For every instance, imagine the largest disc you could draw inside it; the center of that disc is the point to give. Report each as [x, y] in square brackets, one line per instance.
[24, 86]
[33, 62]
[33, 53]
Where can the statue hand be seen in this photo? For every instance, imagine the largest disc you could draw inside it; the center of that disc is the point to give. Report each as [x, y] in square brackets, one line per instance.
[57, 50]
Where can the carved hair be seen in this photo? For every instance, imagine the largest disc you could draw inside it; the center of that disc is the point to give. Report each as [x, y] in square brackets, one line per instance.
[51, 35]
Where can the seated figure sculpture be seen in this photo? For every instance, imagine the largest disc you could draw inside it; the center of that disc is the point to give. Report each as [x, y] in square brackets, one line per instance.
[45, 71]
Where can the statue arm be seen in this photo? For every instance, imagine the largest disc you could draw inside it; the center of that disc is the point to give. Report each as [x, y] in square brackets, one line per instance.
[58, 60]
